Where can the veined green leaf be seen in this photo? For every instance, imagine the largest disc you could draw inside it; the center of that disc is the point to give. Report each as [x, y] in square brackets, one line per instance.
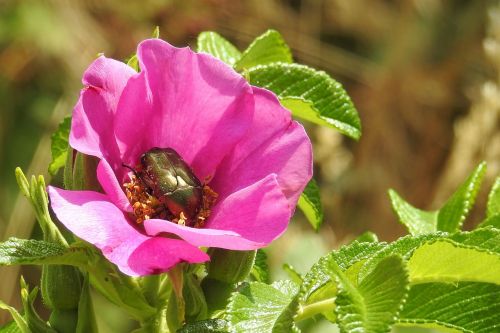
[486, 239]
[415, 220]
[318, 290]
[374, 304]
[310, 94]
[260, 269]
[310, 204]
[59, 145]
[260, 308]
[447, 261]
[214, 44]
[464, 307]
[267, 48]
[452, 215]
[16, 251]
[205, 326]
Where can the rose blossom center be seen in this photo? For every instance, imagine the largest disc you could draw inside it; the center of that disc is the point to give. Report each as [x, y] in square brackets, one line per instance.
[163, 186]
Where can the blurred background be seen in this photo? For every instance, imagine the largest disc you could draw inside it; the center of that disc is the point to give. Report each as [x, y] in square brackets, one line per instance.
[423, 75]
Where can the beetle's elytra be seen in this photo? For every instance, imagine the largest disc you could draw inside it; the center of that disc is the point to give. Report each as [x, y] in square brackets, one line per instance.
[172, 181]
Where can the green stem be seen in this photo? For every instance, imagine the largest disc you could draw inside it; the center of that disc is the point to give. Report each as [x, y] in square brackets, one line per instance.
[156, 324]
[313, 309]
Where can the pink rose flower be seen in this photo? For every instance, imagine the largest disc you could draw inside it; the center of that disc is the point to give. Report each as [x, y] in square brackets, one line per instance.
[236, 137]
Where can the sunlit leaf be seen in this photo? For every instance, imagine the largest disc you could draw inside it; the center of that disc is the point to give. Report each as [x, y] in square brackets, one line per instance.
[453, 213]
[310, 94]
[216, 45]
[416, 221]
[465, 306]
[260, 269]
[373, 305]
[310, 204]
[260, 308]
[267, 48]
[447, 261]
[450, 217]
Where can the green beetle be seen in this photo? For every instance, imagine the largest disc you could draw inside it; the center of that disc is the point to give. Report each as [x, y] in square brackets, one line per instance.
[172, 181]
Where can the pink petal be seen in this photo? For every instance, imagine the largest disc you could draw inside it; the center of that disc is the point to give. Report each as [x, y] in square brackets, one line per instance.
[93, 116]
[248, 219]
[158, 254]
[190, 102]
[111, 186]
[274, 145]
[92, 217]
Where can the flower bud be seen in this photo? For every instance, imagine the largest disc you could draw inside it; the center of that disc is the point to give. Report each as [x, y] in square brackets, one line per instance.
[230, 266]
[61, 286]
[196, 306]
[64, 321]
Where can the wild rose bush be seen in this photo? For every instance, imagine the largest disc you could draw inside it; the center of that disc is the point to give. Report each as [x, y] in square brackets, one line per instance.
[179, 165]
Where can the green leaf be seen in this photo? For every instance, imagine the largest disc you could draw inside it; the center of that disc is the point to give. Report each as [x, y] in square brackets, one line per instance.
[374, 304]
[493, 206]
[318, 278]
[267, 48]
[18, 318]
[450, 217]
[133, 62]
[318, 290]
[205, 326]
[310, 94]
[367, 236]
[293, 274]
[415, 220]
[156, 32]
[486, 239]
[466, 306]
[16, 251]
[448, 261]
[59, 146]
[260, 269]
[10, 327]
[455, 210]
[493, 221]
[214, 44]
[310, 204]
[259, 308]
[35, 323]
